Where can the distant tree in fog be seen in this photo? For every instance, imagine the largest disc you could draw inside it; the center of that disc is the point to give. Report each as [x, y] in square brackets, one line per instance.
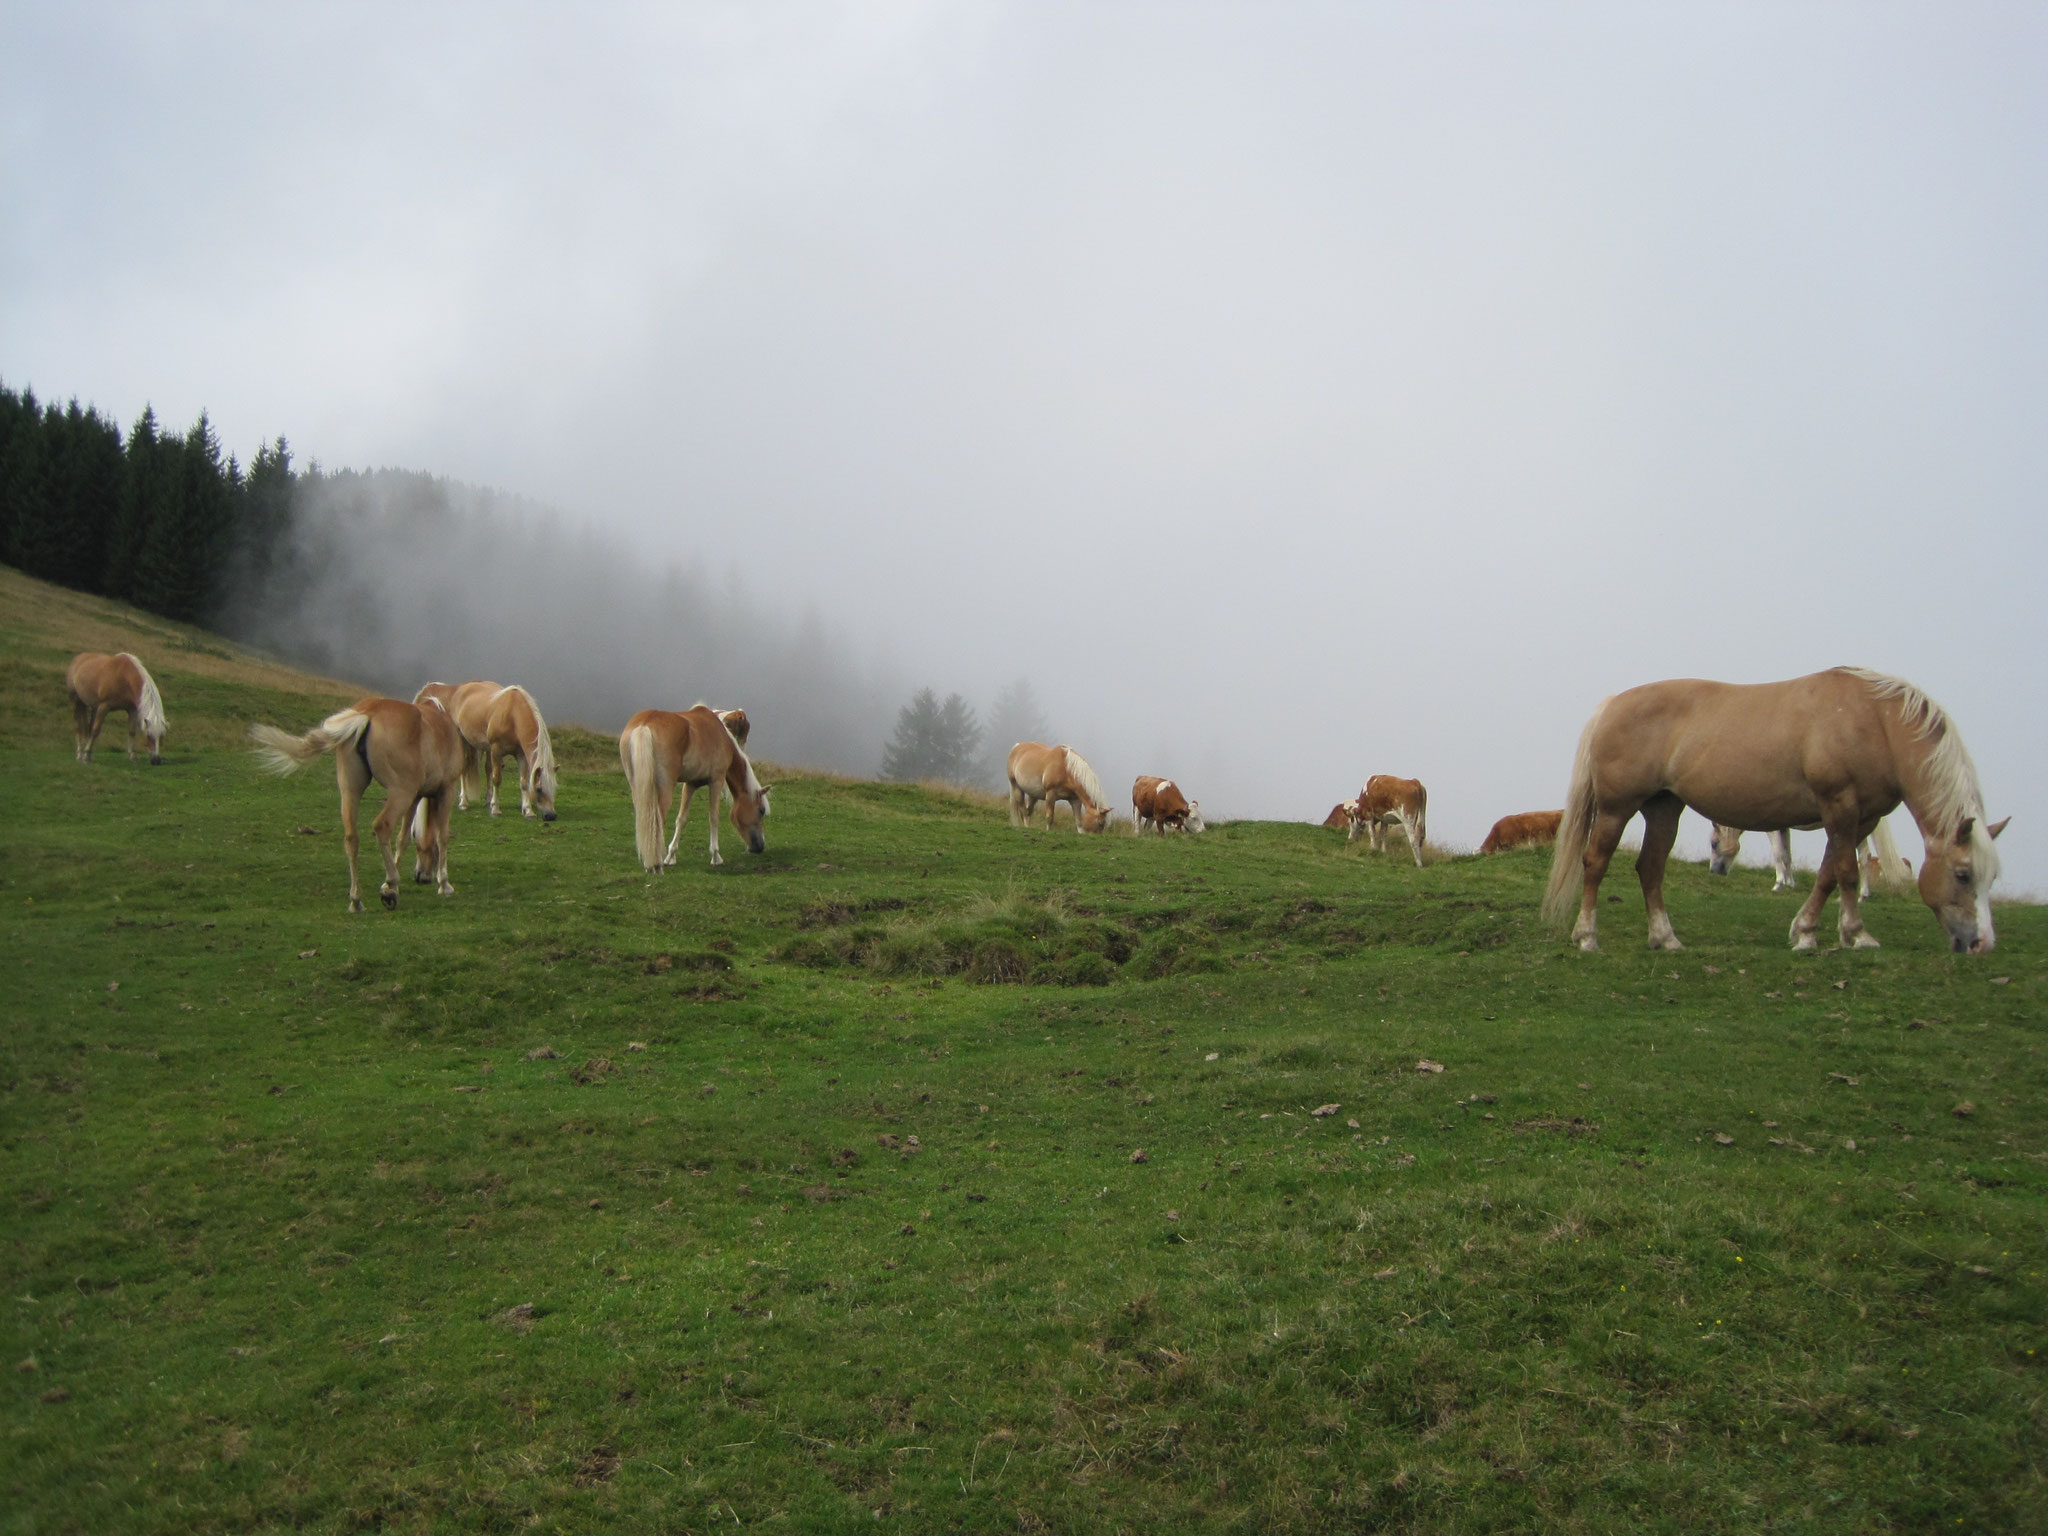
[1015, 716]
[933, 740]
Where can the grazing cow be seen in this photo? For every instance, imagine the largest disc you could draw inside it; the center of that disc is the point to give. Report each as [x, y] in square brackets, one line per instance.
[1341, 814]
[1160, 804]
[1388, 799]
[1531, 829]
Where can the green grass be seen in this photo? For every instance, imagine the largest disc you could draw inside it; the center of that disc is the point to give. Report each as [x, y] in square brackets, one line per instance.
[275, 1176]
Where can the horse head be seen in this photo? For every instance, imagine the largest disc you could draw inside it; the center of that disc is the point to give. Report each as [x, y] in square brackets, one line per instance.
[1093, 819]
[749, 810]
[544, 791]
[1958, 889]
[1722, 850]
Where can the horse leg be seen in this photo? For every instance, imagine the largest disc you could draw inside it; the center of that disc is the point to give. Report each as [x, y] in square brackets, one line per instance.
[1019, 813]
[391, 833]
[81, 729]
[99, 720]
[1863, 870]
[1781, 862]
[497, 771]
[134, 728]
[1848, 876]
[352, 779]
[682, 815]
[716, 857]
[1601, 841]
[440, 808]
[526, 786]
[1660, 829]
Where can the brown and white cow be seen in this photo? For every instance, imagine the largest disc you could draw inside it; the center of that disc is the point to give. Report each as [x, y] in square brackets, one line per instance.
[1341, 814]
[1160, 804]
[1388, 799]
[1530, 829]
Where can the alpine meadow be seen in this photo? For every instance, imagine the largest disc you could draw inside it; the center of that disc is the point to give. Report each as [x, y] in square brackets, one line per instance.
[921, 1173]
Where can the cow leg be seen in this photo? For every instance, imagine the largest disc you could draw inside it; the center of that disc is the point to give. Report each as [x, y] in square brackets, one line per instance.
[1660, 829]
[1414, 843]
[1601, 840]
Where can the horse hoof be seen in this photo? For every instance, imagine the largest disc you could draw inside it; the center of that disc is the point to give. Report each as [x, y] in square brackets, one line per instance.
[1668, 943]
[1803, 944]
[1589, 945]
[1863, 941]
[390, 900]
[447, 890]
[355, 904]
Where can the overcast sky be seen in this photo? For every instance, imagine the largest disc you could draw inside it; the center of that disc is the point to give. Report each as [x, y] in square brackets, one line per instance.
[1294, 392]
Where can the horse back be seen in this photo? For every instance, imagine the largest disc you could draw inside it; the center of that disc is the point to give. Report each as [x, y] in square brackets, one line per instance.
[94, 677]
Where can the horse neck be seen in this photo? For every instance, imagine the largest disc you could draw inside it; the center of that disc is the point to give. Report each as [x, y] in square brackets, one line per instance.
[739, 775]
[1937, 794]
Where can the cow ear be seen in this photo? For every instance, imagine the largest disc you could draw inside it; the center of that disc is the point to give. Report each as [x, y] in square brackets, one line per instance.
[1998, 827]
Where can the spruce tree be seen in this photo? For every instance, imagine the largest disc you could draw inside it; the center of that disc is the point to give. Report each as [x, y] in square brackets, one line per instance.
[142, 491]
[24, 488]
[933, 740]
[1015, 716]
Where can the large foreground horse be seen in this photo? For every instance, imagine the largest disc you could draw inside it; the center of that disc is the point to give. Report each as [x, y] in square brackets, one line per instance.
[1839, 750]
[413, 750]
[1052, 774]
[100, 684]
[660, 749]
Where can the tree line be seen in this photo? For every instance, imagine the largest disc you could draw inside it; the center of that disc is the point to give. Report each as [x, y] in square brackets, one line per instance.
[946, 740]
[156, 518]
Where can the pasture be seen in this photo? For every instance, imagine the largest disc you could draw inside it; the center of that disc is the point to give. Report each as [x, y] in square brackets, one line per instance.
[925, 1174]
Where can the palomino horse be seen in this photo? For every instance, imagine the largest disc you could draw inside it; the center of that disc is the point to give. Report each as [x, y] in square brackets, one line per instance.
[99, 685]
[1530, 829]
[1837, 749]
[512, 727]
[1880, 867]
[1388, 799]
[660, 749]
[1052, 774]
[1159, 804]
[451, 696]
[413, 750]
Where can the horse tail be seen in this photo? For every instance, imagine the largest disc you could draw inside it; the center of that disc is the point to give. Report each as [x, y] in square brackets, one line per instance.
[280, 752]
[640, 777]
[1890, 867]
[1567, 864]
[150, 706]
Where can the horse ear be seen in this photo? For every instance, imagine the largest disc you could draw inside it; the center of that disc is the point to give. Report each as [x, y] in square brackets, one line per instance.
[1998, 827]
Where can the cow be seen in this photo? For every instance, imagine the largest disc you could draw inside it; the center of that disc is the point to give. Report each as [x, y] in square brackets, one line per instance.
[1160, 804]
[1341, 813]
[1531, 829]
[1384, 799]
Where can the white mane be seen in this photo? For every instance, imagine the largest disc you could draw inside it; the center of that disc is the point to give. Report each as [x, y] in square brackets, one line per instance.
[543, 748]
[1083, 775]
[738, 751]
[1953, 788]
[151, 705]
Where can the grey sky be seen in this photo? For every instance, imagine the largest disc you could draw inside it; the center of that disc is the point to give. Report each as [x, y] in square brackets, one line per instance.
[1295, 392]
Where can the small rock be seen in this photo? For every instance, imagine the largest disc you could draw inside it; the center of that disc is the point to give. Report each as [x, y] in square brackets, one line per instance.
[888, 1140]
[636, 1045]
[59, 1395]
[543, 1053]
[1352, 1123]
[1843, 1077]
[113, 986]
[1586, 1087]
[307, 954]
[1841, 986]
[908, 1230]
[2000, 981]
[1426, 1065]
[1385, 1274]
[389, 1338]
[1964, 1110]
[1141, 1156]
[978, 1199]
[1323, 1110]
[597, 1205]
[1849, 1144]
[308, 832]
[1213, 1055]
[1173, 1215]
[1723, 1139]
[519, 1319]
[467, 1088]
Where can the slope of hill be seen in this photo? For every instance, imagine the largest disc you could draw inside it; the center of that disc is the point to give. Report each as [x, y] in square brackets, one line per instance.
[975, 1178]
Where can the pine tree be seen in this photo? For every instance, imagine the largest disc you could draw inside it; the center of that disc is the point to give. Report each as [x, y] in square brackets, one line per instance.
[24, 488]
[933, 740]
[181, 567]
[263, 564]
[143, 489]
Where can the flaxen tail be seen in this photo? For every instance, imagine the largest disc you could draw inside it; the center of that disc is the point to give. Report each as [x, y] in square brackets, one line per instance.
[1892, 869]
[640, 778]
[1568, 863]
[282, 753]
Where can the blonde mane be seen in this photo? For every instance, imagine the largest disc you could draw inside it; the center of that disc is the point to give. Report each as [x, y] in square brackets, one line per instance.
[543, 748]
[1953, 788]
[151, 705]
[1082, 774]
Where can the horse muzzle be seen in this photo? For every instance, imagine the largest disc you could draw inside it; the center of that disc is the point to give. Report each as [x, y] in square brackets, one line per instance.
[547, 815]
[756, 843]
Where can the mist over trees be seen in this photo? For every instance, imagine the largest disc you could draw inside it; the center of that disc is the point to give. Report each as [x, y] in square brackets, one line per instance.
[934, 741]
[1015, 716]
[397, 578]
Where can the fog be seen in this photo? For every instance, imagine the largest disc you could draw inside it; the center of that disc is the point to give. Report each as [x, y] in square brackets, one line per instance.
[1292, 392]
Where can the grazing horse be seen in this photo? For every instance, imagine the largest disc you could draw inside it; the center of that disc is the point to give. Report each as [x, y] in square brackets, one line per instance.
[1160, 805]
[1837, 749]
[1880, 867]
[1530, 829]
[513, 727]
[451, 697]
[1388, 799]
[99, 685]
[660, 749]
[1052, 774]
[1341, 814]
[413, 750]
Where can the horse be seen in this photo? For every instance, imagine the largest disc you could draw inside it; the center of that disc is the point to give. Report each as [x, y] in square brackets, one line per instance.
[1388, 799]
[100, 684]
[1530, 829]
[1836, 749]
[1341, 814]
[1052, 774]
[660, 749]
[1159, 804]
[513, 727]
[451, 696]
[413, 750]
[1881, 867]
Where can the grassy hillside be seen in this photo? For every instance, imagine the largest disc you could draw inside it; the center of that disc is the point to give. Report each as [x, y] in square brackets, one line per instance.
[925, 1174]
